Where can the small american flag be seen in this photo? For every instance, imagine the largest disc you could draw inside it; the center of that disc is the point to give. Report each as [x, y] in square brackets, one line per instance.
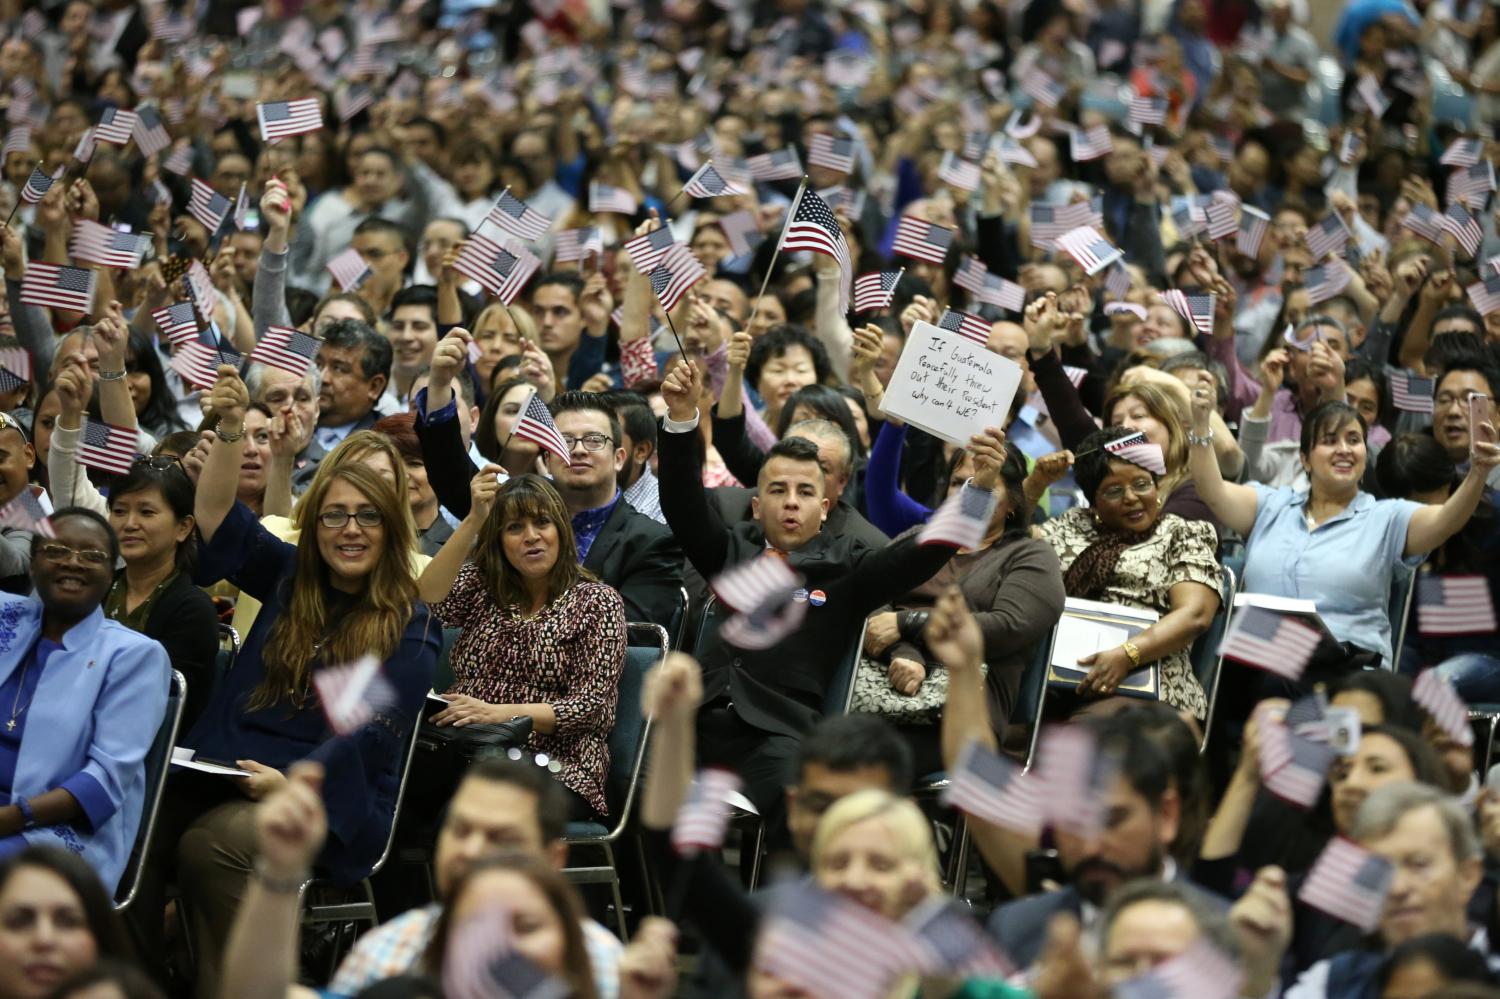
[351, 695]
[282, 118]
[1092, 251]
[1190, 219]
[1197, 309]
[782, 164]
[1200, 972]
[481, 961]
[574, 245]
[106, 447]
[1254, 224]
[1050, 223]
[707, 182]
[922, 240]
[1454, 605]
[1485, 294]
[1223, 216]
[959, 172]
[39, 183]
[606, 198]
[150, 134]
[1143, 111]
[1463, 227]
[1042, 88]
[1074, 775]
[875, 290]
[115, 126]
[832, 152]
[1014, 153]
[349, 269]
[677, 271]
[198, 363]
[1112, 308]
[58, 287]
[209, 206]
[1087, 144]
[518, 218]
[742, 231]
[1327, 237]
[201, 288]
[1463, 152]
[961, 521]
[177, 321]
[1349, 147]
[811, 225]
[754, 584]
[25, 513]
[179, 161]
[1350, 883]
[17, 140]
[286, 349]
[1411, 392]
[352, 101]
[536, 425]
[988, 786]
[84, 151]
[1325, 281]
[975, 144]
[1270, 641]
[828, 946]
[1075, 375]
[504, 269]
[1293, 767]
[966, 325]
[647, 249]
[957, 946]
[1370, 92]
[1437, 697]
[703, 815]
[991, 289]
[1135, 449]
[1424, 222]
[1472, 184]
[93, 243]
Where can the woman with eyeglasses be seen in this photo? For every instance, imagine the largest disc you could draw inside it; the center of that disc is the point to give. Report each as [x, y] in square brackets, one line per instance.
[344, 591]
[541, 636]
[151, 511]
[1124, 549]
[81, 699]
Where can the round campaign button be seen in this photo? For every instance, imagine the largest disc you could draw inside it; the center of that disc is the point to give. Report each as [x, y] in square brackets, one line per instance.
[799, 595]
[817, 598]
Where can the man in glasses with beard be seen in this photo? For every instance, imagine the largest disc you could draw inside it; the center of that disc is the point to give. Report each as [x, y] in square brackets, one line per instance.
[1141, 815]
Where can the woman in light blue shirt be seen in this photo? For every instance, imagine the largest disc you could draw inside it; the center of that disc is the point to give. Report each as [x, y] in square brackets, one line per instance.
[1333, 544]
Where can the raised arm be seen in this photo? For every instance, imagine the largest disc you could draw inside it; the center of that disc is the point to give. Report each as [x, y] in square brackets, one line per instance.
[694, 521]
[218, 483]
[732, 398]
[1430, 526]
[66, 481]
[115, 404]
[1043, 321]
[1234, 505]
[449, 467]
[436, 581]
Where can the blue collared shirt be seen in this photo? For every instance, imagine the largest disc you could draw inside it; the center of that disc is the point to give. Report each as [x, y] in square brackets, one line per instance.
[588, 523]
[1345, 566]
[18, 692]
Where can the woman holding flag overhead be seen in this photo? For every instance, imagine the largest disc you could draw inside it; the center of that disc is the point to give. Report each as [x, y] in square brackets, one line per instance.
[1125, 549]
[1335, 544]
[345, 591]
[541, 636]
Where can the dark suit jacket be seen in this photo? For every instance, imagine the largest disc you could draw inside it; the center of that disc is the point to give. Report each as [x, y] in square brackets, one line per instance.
[781, 689]
[632, 552]
[306, 466]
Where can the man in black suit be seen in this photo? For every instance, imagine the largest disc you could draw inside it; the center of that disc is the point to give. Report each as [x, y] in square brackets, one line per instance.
[758, 704]
[626, 549]
[1141, 817]
[354, 365]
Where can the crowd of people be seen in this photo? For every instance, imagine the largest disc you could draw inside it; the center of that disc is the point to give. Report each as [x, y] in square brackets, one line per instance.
[375, 378]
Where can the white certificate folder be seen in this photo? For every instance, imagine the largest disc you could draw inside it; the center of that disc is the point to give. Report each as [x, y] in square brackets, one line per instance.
[1088, 626]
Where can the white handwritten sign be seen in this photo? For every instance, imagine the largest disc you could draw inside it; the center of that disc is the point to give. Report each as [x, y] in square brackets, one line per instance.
[950, 386]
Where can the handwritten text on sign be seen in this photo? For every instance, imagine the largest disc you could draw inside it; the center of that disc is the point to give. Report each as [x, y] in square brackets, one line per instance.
[950, 386]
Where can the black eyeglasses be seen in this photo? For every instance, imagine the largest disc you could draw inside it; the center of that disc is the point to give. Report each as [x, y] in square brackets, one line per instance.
[364, 517]
[590, 442]
[158, 462]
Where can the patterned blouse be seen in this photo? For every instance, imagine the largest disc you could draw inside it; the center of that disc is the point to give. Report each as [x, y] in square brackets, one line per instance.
[1180, 551]
[569, 656]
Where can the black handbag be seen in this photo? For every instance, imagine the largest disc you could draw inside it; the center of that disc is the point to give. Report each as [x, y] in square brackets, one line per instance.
[449, 749]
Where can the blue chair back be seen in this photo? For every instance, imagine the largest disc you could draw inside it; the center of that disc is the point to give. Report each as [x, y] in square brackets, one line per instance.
[646, 646]
[1403, 588]
[442, 673]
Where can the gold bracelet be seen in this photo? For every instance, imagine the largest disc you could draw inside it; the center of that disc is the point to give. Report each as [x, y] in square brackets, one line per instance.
[1133, 652]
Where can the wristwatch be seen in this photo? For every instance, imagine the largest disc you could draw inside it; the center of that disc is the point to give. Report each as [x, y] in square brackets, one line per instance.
[1133, 652]
[28, 817]
[226, 436]
[1204, 441]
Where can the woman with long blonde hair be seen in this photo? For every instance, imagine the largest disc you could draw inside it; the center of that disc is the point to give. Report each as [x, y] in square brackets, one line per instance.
[345, 591]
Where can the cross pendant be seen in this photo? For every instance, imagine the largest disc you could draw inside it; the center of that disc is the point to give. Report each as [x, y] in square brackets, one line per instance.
[10, 726]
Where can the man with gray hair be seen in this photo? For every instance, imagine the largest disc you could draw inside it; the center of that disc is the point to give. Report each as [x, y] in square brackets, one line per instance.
[281, 392]
[1430, 842]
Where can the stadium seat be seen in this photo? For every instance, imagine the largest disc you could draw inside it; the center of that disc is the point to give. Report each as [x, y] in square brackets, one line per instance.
[158, 765]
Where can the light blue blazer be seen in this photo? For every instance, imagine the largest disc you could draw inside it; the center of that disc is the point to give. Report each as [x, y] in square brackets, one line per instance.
[97, 708]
